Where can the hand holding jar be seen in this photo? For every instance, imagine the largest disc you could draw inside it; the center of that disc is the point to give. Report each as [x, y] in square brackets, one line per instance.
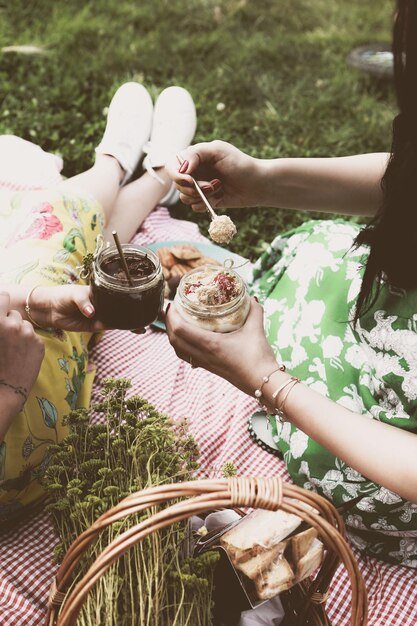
[241, 356]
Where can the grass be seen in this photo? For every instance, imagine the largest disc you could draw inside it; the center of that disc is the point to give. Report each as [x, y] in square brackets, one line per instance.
[277, 66]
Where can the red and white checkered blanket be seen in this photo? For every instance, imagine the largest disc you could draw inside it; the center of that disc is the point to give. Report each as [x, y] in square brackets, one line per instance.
[218, 415]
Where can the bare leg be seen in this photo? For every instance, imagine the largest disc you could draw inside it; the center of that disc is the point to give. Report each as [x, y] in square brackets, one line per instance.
[125, 207]
[133, 204]
[101, 182]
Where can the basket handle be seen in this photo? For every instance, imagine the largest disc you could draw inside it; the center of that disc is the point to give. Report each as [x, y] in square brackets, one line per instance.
[203, 495]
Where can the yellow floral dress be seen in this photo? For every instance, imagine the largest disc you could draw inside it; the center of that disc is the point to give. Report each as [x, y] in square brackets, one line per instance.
[44, 236]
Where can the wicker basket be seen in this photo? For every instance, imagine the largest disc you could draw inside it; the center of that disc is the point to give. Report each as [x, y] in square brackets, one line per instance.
[304, 603]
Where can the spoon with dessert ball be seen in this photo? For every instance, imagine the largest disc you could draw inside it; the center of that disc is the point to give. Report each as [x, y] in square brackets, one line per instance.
[221, 229]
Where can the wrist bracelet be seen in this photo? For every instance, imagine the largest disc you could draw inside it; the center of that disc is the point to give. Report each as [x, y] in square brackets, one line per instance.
[18, 389]
[265, 379]
[279, 411]
[27, 308]
[281, 387]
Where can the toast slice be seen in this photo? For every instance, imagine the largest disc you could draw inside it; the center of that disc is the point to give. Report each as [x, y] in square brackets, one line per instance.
[259, 531]
[279, 577]
[261, 562]
[310, 561]
[300, 544]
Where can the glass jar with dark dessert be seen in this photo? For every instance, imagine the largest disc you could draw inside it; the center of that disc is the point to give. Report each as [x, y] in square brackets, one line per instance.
[213, 299]
[119, 304]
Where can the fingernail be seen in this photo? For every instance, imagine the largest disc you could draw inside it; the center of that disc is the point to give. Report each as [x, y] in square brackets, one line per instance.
[88, 310]
[184, 167]
[216, 183]
[255, 298]
[206, 187]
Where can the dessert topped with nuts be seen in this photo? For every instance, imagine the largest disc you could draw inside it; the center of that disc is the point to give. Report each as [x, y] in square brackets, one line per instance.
[214, 299]
[212, 288]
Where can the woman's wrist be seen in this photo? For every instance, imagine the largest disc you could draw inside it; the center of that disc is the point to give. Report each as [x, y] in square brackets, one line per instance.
[11, 403]
[40, 306]
[271, 179]
[267, 380]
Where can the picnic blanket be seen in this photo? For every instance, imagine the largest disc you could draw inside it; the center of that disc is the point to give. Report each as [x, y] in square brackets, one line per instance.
[217, 414]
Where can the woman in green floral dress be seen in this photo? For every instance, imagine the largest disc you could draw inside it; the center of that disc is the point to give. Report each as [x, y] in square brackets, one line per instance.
[340, 305]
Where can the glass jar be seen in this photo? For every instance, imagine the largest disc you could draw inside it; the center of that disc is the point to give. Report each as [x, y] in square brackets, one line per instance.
[220, 318]
[119, 304]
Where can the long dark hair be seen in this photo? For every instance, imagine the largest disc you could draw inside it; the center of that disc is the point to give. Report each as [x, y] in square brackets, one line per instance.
[392, 234]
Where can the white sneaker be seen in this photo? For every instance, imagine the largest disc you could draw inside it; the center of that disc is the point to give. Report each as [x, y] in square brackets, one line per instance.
[129, 123]
[173, 128]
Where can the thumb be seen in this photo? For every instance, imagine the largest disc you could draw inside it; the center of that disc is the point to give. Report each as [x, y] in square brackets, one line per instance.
[255, 318]
[85, 305]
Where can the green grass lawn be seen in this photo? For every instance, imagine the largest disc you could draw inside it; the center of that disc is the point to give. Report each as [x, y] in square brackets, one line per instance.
[276, 66]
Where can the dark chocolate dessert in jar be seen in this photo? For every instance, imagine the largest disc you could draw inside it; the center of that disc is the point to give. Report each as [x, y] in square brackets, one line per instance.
[119, 304]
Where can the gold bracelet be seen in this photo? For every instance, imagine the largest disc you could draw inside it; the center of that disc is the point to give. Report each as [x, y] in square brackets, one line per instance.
[27, 309]
[280, 388]
[279, 411]
[265, 379]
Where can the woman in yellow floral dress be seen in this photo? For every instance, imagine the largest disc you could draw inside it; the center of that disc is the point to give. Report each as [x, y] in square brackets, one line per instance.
[44, 236]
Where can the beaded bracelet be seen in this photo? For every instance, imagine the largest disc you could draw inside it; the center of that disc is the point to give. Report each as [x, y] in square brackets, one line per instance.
[27, 309]
[265, 379]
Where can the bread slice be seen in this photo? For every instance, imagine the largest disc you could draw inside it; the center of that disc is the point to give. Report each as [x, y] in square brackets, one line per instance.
[259, 531]
[300, 544]
[310, 561]
[279, 577]
[261, 562]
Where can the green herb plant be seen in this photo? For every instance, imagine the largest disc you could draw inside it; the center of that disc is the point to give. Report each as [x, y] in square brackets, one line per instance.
[130, 446]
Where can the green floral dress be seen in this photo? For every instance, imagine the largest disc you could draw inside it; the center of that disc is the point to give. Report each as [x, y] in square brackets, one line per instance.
[309, 280]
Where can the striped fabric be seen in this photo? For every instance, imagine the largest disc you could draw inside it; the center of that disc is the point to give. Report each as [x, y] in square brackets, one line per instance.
[218, 415]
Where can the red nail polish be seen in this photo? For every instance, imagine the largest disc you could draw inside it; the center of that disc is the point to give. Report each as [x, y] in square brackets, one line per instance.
[184, 167]
[216, 183]
[206, 187]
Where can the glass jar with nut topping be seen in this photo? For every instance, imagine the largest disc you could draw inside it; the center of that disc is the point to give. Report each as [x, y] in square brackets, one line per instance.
[213, 299]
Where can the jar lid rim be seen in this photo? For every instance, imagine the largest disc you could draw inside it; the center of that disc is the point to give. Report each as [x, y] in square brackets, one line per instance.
[122, 282]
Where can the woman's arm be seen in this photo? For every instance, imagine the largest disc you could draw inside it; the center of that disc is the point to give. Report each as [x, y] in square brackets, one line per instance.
[230, 178]
[383, 453]
[21, 355]
[348, 185]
